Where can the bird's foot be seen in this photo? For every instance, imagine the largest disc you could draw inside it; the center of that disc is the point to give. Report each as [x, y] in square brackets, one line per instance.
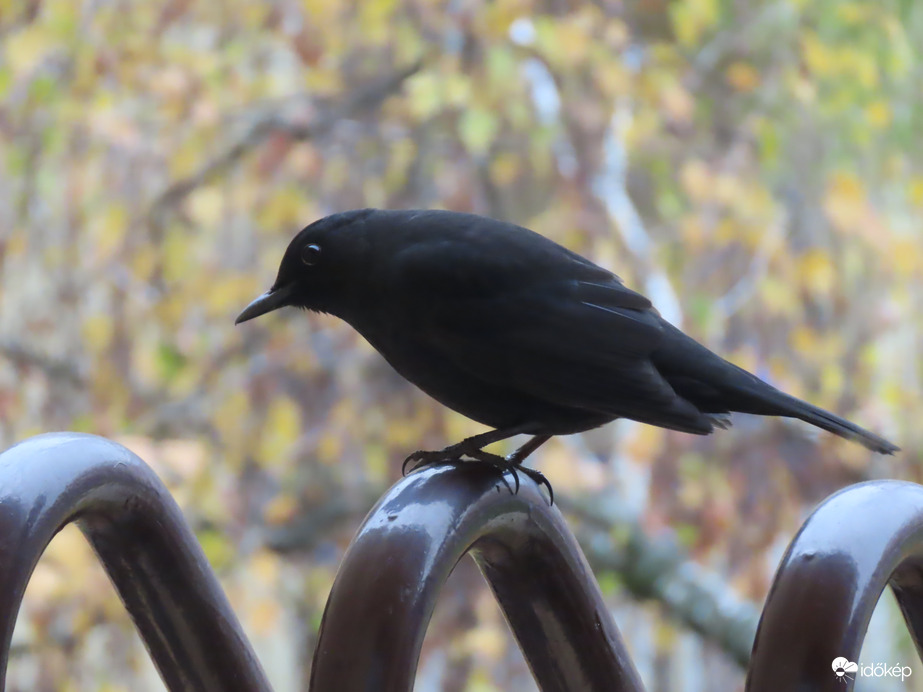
[422, 458]
[540, 480]
[455, 453]
[470, 447]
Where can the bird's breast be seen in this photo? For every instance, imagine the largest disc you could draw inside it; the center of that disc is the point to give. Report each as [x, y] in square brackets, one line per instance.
[416, 355]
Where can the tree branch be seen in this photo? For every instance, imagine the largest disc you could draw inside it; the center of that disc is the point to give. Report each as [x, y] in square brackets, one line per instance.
[659, 569]
[279, 119]
[615, 544]
[23, 355]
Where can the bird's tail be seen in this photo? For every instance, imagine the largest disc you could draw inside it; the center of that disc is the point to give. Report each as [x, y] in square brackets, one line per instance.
[746, 393]
[796, 408]
[715, 385]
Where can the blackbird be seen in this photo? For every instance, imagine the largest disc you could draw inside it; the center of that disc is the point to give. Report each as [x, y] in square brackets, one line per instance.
[516, 332]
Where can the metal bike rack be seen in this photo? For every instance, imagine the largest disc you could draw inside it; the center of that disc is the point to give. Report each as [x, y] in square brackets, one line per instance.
[373, 627]
[145, 545]
[859, 541]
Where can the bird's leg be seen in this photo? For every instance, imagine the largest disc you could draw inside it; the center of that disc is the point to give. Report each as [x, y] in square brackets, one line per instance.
[513, 463]
[516, 458]
[470, 447]
[520, 454]
[501, 464]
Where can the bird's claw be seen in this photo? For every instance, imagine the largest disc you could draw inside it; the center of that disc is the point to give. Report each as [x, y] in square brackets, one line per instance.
[540, 479]
[423, 458]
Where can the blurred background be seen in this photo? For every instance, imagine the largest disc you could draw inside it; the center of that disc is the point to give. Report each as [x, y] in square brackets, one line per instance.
[754, 166]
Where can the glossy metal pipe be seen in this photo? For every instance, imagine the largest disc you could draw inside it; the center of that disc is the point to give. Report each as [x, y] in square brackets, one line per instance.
[857, 542]
[144, 544]
[387, 585]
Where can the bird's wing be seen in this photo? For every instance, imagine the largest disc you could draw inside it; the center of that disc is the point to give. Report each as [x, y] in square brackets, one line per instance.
[487, 264]
[573, 335]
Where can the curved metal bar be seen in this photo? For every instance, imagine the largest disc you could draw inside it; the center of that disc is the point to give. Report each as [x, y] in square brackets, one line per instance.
[387, 585]
[142, 540]
[857, 542]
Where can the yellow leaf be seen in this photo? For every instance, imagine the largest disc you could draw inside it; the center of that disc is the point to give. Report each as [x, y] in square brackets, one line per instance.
[726, 232]
[804, 340]
[853, 12]
[487, 641]
[802, 88]
[281, 429]
[644, 442]
[376, 461]
[742, 76]
[264, 616]
[322, 79]
[280, 509]
[217, 548]
[424, 95]
[226, 294]
[861, 66]
[97, 331]
[697, 180]
[374, 16]
[184, 457]
[616, 33]
[25, 49]
[265, 566]
[319, 10]
[70, 550]
[504, 168]
[693, 233]
[457, 89]
[832, 379]
[817, 271]
[206, 206]
[18, 243]
[817, 54]
[108, 230]
[183, 160]
[845, 201]
[915, 190]
[678, 103]
[179, 263]
[477, 129]
[692, 18]
[878, 114]
[728, 189]
[906, 254]
[143, 261]
[233, 408]
[46, 583]
[778, 295]
[571, 42]
[901, 56]
[330, 448]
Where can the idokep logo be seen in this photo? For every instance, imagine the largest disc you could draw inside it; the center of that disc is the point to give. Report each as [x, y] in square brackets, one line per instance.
[846, 670]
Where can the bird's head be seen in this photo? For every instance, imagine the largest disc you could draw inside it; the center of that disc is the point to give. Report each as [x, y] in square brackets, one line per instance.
[319, 268]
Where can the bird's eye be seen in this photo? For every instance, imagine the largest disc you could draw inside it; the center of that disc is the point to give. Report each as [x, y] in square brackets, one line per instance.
[310, 254]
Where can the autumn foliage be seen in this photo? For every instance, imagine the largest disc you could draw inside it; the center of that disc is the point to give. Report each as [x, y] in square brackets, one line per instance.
[754, 167]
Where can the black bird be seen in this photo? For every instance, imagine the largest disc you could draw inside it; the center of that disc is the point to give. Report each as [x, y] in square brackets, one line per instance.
[517, 332]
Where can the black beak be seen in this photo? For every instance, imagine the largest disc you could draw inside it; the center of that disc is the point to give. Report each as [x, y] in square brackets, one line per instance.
[269, 301]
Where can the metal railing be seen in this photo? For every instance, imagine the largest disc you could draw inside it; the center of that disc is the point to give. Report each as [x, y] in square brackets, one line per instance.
[142, 540]
[856, 543]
